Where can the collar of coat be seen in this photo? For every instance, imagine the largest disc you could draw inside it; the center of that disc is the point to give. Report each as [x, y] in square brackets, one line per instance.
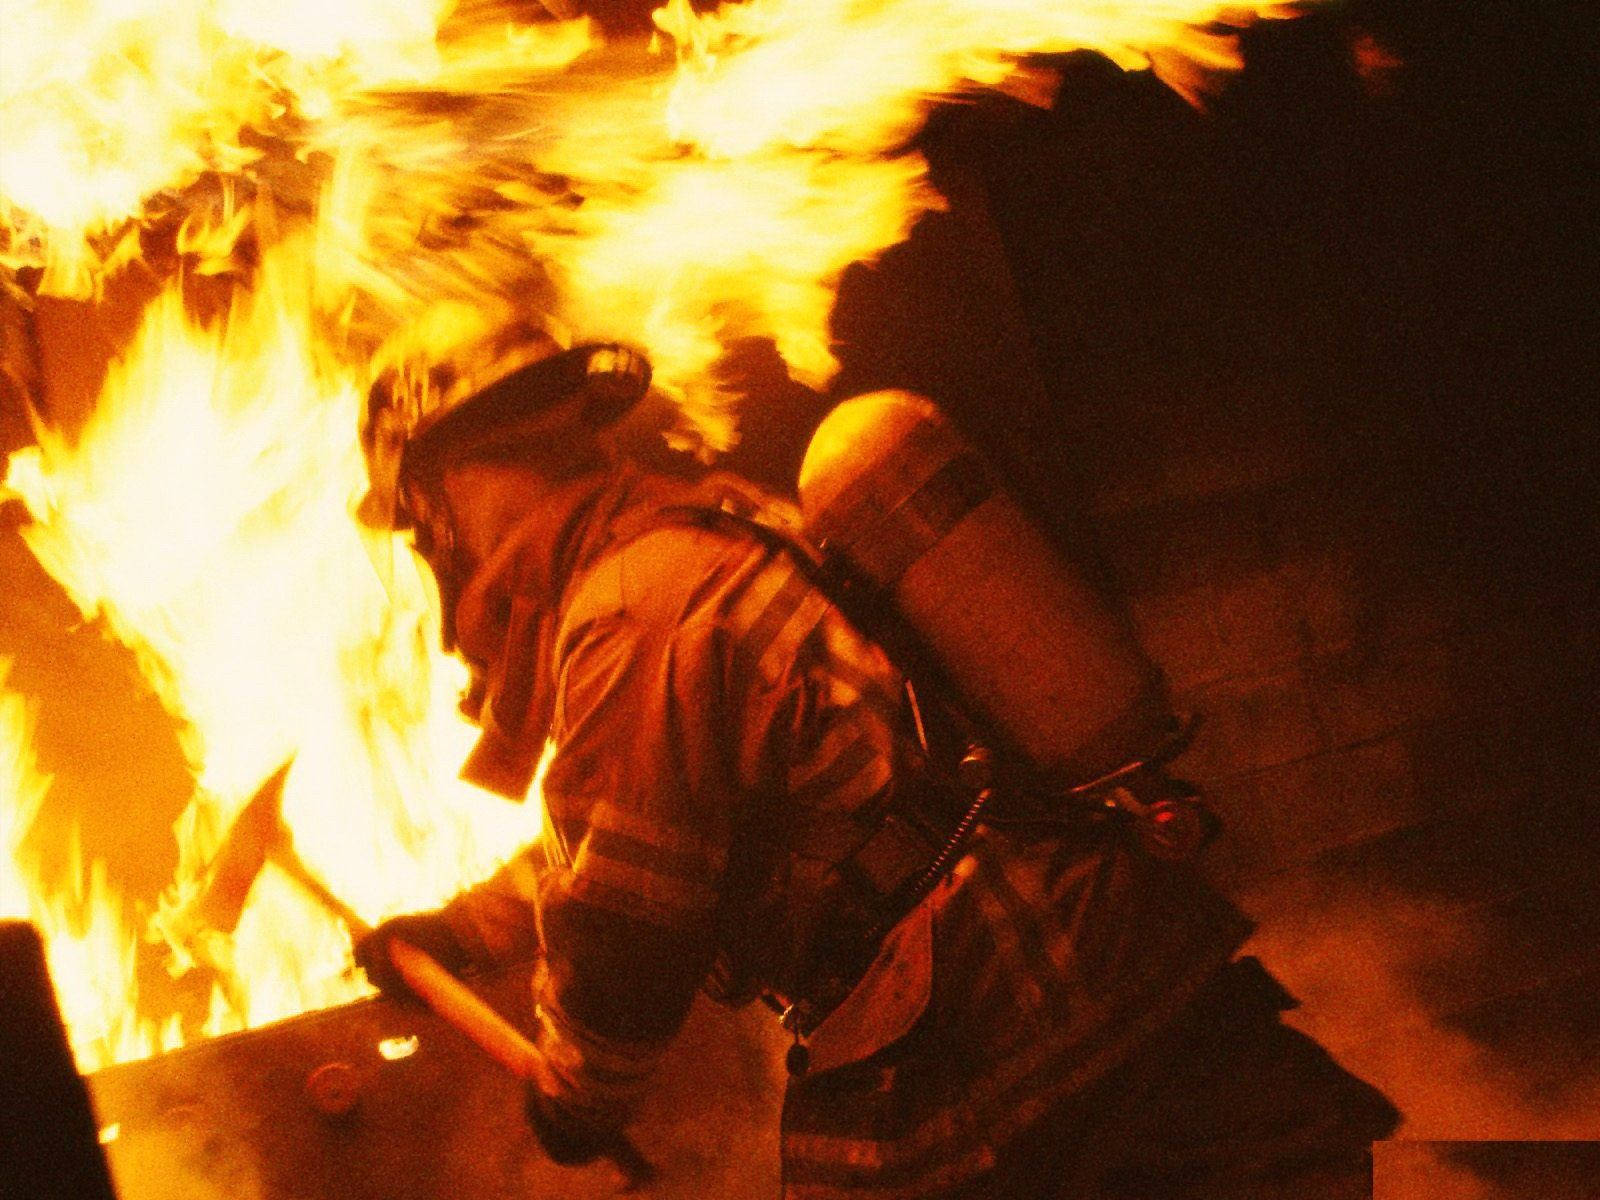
[509, 610]
[506, 620]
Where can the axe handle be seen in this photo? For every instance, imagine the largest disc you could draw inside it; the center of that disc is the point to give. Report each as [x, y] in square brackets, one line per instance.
[463, 1008]
[500, 1040]
[440, 990]
[287, 859]
[265, 837]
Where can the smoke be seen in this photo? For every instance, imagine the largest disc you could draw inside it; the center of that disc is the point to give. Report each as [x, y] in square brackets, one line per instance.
[1487, 1171]
[1367, 962]
[1423, 1171]
[186, 1160]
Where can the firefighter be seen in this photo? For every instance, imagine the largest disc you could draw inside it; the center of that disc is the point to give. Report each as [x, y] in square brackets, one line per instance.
[742, 797]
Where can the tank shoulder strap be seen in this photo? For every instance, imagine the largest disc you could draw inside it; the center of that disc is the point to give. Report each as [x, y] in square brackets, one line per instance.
[725, 505]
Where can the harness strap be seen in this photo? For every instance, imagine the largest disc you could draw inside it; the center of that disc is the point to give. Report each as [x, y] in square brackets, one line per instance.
[905, 847]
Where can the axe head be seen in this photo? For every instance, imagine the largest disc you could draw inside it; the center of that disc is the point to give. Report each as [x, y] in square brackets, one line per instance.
[255, 832]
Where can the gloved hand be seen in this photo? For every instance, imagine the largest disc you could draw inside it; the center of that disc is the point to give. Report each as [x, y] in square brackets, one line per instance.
[427, 931]
[567, 1138]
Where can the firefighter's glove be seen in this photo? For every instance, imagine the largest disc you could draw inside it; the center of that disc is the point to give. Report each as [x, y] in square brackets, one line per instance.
[568, 1137]
[427, 931]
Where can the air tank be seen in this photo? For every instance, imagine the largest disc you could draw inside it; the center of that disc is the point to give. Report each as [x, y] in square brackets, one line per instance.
[1037, 658]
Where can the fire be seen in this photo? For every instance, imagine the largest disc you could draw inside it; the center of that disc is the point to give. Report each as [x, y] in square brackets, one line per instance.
[859, 79]
[91, 944]
[204, 515]
[112, 106]
[378, 183]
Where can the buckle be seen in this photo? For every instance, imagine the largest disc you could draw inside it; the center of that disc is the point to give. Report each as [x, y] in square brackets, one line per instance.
[1173, 828]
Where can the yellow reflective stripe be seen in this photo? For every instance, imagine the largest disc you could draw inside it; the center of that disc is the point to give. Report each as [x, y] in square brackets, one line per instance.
[679, 842]
[634, 891]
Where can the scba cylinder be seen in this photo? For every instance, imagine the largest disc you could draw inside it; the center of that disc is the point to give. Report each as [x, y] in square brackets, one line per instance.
[916, 514]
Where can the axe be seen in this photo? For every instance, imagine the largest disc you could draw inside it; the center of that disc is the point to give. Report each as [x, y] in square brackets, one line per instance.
[259, 835]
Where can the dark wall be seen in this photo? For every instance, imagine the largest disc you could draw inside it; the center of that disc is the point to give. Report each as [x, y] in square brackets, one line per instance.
[1315, 368]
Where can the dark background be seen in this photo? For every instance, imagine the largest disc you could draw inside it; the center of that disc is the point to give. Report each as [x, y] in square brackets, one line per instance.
[1316, 369]
[1304, 379]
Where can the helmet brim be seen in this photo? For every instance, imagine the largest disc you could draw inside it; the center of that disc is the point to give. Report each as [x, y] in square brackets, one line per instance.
[585, 388]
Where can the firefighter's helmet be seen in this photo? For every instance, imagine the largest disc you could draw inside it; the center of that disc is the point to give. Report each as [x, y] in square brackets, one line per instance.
[417, 425]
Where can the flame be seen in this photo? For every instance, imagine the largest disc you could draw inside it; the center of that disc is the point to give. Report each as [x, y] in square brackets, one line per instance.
[203, 514]
[90, 942]
[381, 183]
[751, 77]
[110, 106]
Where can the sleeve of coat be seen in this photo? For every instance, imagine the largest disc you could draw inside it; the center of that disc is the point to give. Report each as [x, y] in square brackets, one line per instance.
[640, 800]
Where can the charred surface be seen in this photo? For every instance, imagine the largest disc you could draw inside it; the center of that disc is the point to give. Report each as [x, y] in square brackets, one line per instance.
[312, 1109]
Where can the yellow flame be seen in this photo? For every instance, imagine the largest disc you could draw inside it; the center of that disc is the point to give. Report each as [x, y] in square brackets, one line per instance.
[204, 515]
[859, 79]
[381, 183]
[108, 104]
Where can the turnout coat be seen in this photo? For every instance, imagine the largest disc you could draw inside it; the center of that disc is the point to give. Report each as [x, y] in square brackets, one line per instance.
[720, 738]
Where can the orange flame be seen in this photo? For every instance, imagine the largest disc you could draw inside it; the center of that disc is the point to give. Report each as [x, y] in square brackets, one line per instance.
[110, 105]
[90, 943]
